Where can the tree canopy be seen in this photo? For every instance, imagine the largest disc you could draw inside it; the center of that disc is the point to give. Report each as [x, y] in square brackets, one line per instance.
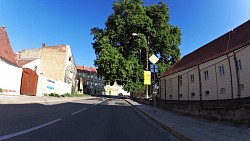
[121, 57]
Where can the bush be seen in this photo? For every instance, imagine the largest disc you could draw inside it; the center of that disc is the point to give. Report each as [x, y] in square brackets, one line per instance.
[55, 95]
[1, 91]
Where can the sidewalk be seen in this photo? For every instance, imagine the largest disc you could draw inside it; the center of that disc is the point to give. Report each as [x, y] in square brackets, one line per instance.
[24, 99]
[188, 128]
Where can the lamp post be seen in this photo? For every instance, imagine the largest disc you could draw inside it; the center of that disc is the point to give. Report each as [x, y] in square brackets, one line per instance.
[135, 34]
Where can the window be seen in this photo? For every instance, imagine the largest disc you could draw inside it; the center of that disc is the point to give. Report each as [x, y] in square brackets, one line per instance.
[180, 80]
[238, 65]
[221, 70]
[87, 82]
[241, 87]
[35, 68]
[192, 78]
[192, 94]
[180, 95]
[222, 90]
[207, 92]
[79, 74]
[83, 74]
[170, 96]
[206, 74]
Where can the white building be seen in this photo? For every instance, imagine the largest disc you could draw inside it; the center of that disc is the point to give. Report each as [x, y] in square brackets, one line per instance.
[114, 90]
[215, 71]
[10, 72]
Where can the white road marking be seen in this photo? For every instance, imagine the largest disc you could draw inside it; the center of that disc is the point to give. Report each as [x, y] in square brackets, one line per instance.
[28, 130]
[79, 111]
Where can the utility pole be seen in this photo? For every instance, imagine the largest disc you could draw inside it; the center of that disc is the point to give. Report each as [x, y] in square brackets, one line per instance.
[146, 65]
[147, 48]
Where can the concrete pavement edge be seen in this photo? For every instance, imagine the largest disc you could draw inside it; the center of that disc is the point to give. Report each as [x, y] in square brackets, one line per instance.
[165, 127]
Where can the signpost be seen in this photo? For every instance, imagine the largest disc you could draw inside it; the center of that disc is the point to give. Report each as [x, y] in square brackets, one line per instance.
[147, 78]
[154, 69]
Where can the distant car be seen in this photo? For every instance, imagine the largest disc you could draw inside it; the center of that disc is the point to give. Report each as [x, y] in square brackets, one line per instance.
[120, 96]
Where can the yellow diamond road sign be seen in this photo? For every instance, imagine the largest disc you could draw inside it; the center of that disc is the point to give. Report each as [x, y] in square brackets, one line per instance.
[153, 59]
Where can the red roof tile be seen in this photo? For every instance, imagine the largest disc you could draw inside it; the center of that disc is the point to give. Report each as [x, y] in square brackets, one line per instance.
[239, 37]
[6, 51]
[89, 69]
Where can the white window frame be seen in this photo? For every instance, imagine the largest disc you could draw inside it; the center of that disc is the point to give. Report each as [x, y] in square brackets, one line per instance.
[180, 80]
[206, 76]
[239, 64]
[221, 70]
[192, 78]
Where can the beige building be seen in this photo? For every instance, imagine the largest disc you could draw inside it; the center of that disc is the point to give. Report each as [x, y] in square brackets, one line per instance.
[88, 81]
[218, 70]
[54, 62]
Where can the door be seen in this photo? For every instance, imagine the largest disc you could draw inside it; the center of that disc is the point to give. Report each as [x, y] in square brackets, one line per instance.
[29, 82]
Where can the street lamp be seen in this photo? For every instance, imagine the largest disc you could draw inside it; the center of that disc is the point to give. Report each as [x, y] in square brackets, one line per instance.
[135, 34]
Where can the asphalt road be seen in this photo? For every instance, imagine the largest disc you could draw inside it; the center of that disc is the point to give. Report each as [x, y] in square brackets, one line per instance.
[96, 119]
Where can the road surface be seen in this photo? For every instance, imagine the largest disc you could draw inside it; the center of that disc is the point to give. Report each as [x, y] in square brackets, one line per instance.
[96, 119]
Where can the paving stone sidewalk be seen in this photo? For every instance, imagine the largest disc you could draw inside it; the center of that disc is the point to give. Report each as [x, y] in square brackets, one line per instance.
[24, 99]
[192, 128]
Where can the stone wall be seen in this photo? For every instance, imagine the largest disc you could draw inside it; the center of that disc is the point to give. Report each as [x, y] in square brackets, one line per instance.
[234, 111]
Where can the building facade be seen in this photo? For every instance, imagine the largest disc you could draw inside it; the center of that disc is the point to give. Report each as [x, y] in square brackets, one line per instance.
[218, 70]
[55, 62]
[115, 90]
[10, 72]
[88, 81]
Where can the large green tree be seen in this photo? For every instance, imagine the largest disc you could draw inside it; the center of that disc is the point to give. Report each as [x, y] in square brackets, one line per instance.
[121, 57]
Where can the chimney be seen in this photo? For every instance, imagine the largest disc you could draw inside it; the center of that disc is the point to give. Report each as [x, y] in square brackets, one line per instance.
[43, 45]
[83, 66]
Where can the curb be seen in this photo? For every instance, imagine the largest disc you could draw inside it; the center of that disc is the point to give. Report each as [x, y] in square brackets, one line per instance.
[41, 101]
[167, 128]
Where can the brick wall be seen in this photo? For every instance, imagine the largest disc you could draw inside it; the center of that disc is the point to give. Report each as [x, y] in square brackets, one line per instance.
[53, 62]
[30, 53]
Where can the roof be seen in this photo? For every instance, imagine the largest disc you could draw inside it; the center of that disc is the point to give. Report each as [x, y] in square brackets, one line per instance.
[6, 51]
[88, 69]
[24, 62]
[226, 43]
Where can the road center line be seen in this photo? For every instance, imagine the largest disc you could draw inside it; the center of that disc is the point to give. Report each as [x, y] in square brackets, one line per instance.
[79, 111]
[28, 130]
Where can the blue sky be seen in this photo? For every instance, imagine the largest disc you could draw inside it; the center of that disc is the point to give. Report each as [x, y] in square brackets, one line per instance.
[29, 23]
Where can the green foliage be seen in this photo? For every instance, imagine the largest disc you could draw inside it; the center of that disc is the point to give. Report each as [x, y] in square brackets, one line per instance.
[122, 57]
[74, 95]
[1, 91]
[54, 95]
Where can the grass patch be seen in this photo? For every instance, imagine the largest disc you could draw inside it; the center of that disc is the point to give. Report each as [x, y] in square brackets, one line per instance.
[75, 95]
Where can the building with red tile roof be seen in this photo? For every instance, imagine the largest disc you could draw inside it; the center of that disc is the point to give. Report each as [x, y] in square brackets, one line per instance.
[10, 72]
[239, 37]
[88, 80]
[219, 70]
[6, 51]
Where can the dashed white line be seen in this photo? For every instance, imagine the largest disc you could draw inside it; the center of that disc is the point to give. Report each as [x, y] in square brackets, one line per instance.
[28, 130]
[79, 111]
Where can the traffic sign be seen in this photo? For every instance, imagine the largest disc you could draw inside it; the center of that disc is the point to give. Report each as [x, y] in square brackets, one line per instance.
[147, 77]
[153, 59]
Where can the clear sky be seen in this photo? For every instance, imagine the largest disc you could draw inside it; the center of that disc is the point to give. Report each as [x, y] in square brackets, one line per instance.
[29, 23]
